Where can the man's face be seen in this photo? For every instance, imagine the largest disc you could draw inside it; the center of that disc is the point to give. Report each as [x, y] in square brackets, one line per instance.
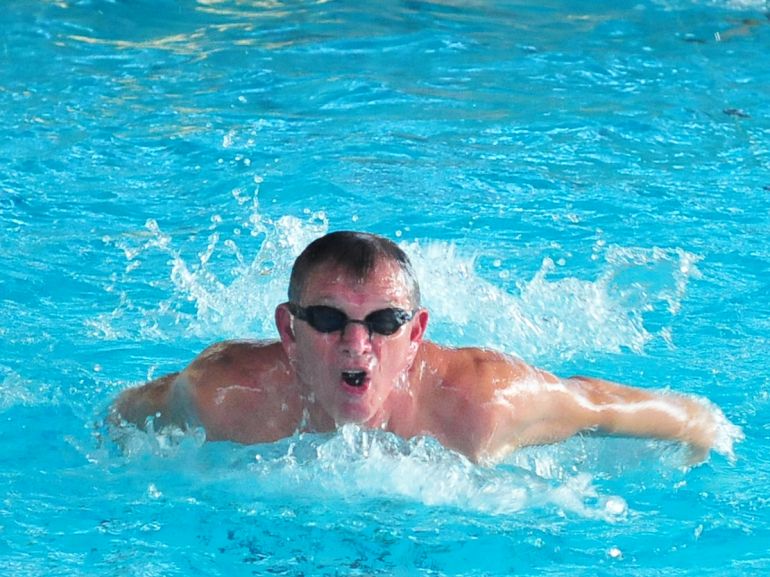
[350, 373]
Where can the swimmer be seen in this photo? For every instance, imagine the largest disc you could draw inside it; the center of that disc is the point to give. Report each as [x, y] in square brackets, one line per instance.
[351, 350]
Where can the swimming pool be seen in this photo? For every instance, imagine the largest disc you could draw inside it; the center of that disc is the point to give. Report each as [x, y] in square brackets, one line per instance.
[582, 184]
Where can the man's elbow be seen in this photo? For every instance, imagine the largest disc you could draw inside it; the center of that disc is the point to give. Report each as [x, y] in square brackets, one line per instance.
[139, 404]
[131, 408]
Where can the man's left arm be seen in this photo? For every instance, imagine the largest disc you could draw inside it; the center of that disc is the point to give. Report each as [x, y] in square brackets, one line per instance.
[541, 408]
[613, 409]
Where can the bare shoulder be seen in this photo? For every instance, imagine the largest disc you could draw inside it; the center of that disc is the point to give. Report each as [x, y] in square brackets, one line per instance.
[241, 361]
[237, 390]
[482, 372]
[481, 400]
[233, 371]
[243, 391]
[457, 394]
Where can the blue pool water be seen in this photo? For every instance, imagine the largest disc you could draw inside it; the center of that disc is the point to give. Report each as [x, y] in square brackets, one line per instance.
[583, 184]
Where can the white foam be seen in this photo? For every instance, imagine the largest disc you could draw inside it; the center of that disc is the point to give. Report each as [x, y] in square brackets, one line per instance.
[553, 315]
[358, 464]
[362, 463]
[18, 391]
[229, 289]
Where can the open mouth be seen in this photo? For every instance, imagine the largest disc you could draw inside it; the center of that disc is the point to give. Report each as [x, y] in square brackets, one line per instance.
[354, 378]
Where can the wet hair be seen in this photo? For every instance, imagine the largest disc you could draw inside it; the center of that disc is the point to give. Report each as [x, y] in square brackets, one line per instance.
[357, 253]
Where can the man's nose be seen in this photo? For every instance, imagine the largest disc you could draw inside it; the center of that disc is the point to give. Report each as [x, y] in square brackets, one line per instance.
[356, 335]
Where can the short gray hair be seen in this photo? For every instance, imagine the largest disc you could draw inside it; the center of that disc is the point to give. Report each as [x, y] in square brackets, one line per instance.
[357, 253]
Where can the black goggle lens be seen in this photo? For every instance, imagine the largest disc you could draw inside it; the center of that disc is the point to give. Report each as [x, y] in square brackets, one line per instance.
[328, 319]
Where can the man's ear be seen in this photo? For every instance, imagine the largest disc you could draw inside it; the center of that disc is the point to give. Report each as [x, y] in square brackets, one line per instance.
[418, 328]
[420, 325]
[284, 322]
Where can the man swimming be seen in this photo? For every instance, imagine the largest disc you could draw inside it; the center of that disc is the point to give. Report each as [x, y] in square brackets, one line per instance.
[351, 350]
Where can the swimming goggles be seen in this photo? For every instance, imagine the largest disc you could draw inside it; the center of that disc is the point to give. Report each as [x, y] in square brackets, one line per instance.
[326, 319]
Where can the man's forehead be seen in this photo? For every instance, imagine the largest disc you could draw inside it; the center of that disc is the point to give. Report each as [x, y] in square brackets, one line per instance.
[385, 277]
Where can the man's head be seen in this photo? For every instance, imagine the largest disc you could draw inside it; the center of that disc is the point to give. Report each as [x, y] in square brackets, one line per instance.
[355, 253]
[353, 324]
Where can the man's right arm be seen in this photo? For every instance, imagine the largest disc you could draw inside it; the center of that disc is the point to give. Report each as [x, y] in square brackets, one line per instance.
[153, 401]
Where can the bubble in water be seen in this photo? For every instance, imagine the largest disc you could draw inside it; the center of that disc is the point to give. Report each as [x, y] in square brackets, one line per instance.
[615, 506]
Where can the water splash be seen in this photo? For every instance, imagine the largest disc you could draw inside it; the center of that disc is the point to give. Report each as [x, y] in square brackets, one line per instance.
[359, 465]
[373, 463]
[228, 289]
[18, 391]
[231, 287]
[555, 315]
